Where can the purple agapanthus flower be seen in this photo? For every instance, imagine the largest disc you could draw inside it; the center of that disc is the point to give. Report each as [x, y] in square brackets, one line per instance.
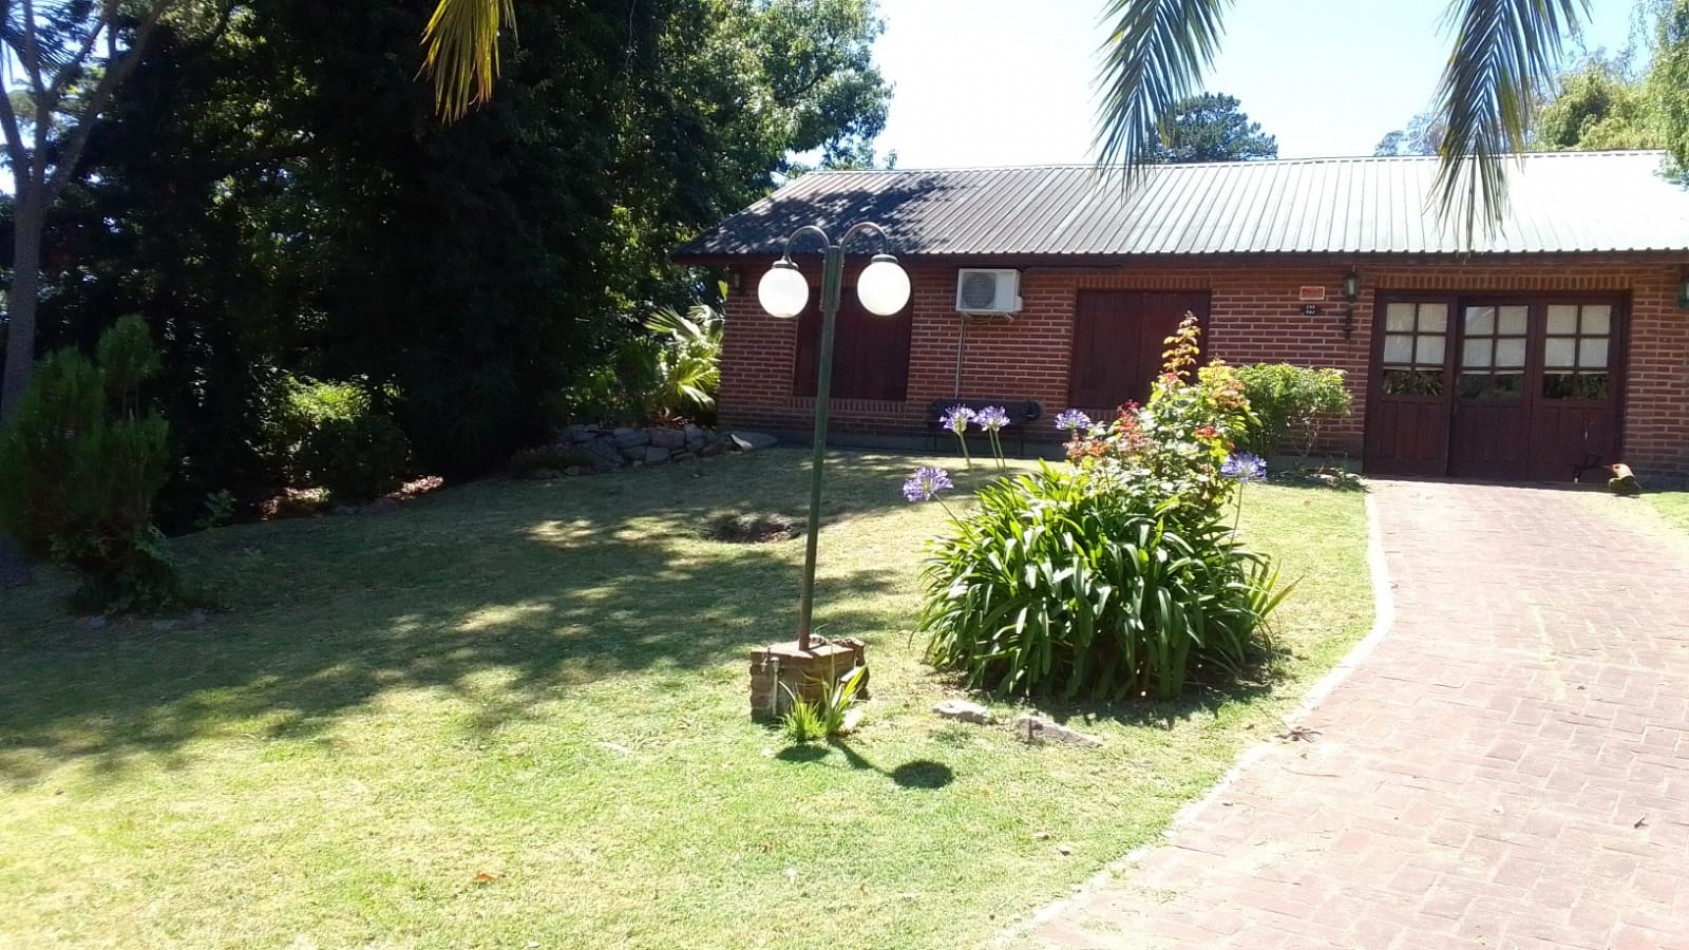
[992, 418]
[956, 419]
[1072, 420]
[926, 483]
[1245, 467]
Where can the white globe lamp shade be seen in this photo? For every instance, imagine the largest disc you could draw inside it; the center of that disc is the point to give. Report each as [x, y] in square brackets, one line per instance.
[782, 291]
[883, 287]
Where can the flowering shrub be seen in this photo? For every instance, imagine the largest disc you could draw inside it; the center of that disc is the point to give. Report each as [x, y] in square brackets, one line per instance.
[1120, 577]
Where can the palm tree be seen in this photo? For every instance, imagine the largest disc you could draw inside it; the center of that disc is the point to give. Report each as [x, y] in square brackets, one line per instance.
[1504, 52]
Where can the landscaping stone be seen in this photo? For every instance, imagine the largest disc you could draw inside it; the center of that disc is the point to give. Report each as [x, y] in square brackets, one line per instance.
[625, 446]
[631, 438]
[965, 712]
[667, 438]
[751, 441]
[381, 506]
[543, 474]
[94, 623]
[1039, 729]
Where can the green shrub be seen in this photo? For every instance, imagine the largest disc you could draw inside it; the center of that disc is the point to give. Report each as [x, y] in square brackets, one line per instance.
[549, 457]
[1290, 404]
[329, 434]
[357, 459]
[80, 466]
[1121, 577]
[1060, 586]
[671, 372]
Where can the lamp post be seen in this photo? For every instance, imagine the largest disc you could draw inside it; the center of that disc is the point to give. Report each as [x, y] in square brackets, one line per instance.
[883, 289]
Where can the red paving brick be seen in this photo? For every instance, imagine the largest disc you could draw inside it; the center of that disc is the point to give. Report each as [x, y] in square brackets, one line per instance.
[1509, 767]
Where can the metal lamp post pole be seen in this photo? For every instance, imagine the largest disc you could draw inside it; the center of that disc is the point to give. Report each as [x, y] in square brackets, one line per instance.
[832, 280]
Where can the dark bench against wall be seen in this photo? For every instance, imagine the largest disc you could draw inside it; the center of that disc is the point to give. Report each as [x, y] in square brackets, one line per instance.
[1023, 413]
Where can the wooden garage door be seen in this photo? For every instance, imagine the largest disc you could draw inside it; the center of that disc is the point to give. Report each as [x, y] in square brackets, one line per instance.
[1495, 387]
[1118, 339]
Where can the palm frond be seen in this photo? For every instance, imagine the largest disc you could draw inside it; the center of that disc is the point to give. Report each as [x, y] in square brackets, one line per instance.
[1504, 51]
[461, 44]
[1154, 57]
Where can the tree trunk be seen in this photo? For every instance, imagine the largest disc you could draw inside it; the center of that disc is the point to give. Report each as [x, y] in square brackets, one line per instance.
[26, 293]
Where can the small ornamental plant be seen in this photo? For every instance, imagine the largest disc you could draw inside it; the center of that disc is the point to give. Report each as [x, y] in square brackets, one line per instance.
[993, 419]
[1116, 577]
[956, 419]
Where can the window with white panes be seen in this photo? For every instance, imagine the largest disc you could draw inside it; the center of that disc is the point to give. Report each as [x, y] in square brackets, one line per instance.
[1492, 353]
[1415, 345]
[1575, 350]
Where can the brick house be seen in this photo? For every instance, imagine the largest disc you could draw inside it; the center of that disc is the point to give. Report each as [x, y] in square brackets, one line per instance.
[1559, 343]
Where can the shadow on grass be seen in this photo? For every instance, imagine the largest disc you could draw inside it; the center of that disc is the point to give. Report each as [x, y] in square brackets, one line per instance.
[920, 773]
[509, 594]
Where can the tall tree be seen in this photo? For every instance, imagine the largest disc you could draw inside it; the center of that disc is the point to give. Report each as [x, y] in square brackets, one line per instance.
[461, 273]
[1423, 135]
[1668, 78]
[1601, 104]
[1211, 128]
[71, 55]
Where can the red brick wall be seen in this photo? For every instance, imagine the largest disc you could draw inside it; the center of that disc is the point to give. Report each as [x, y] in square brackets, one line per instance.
[1254, 316]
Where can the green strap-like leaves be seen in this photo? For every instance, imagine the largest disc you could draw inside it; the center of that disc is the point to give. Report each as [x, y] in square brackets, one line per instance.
[1504, 52]
[1153, 58]
[460, 47]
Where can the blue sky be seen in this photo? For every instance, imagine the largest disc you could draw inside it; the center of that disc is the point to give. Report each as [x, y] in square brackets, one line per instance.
[1006, 82]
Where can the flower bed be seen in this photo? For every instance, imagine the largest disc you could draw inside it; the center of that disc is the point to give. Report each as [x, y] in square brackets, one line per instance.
[1120, 576]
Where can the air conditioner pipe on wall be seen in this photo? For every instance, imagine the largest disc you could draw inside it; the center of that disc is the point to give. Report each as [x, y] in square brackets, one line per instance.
[961, 351]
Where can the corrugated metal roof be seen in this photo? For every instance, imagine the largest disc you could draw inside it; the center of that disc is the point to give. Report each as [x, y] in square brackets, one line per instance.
[1559, 202]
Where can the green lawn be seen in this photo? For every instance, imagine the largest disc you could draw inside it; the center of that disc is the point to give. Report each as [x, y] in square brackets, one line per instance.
[1673, 506]
[515, 714]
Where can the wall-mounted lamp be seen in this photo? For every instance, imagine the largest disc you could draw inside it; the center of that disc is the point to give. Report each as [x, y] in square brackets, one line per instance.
[1351, 293]
[1351, 286]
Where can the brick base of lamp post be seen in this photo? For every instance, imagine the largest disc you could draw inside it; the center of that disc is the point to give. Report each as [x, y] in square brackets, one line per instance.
[784, 670]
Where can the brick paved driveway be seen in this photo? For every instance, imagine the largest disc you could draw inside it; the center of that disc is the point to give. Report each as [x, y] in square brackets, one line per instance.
[1508, 768]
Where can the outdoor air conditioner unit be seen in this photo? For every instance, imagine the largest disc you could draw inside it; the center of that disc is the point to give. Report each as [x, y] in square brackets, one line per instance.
[987, 291]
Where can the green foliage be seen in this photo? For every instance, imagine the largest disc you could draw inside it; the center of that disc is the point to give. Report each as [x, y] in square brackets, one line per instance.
[1211, 128]
[549, 457]
[1289, 404]
[80, 466]
[1600, 105]
[1063, 585]
[1668, 78]
[830, 716]
[802, 722]
[331, 435]
[689, 364]
[671, 371]
[278, 190]
[1116, 579]
[357, 459]
[219, 510]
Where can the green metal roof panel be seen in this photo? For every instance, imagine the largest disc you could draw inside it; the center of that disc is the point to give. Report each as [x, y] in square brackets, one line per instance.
[1559, 202]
